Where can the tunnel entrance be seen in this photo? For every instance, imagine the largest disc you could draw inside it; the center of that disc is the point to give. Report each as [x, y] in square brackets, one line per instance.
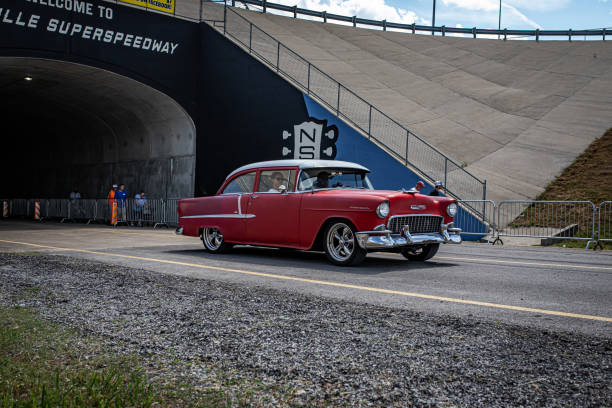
[72, 126]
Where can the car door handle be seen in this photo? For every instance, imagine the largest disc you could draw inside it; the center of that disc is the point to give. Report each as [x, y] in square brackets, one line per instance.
[254, 196]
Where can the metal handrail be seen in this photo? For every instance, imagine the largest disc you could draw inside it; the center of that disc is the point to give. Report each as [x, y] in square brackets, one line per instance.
[384, 24]
[338, 88]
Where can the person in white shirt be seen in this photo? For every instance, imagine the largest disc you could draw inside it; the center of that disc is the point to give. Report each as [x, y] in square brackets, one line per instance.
[277, 181]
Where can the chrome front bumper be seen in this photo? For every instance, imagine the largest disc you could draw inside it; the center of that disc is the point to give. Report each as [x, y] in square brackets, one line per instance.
[385, 239]
[178, 231]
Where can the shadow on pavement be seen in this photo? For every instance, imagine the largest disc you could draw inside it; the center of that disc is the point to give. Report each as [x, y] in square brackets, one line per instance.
[374, 264]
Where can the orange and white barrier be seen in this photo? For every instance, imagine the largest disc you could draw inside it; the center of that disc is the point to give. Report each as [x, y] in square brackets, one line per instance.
[5, 209]
[37, 210]
[114, 215]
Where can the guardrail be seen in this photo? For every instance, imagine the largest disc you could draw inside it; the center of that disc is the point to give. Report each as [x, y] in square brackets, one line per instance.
[186, 9]
[414, 28]
[400, 142]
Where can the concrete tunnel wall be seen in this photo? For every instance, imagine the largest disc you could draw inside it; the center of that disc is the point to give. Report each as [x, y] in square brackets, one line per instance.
[84, 127]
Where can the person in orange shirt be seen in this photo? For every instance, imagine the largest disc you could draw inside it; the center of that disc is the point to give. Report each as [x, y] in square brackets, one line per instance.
[111, 200]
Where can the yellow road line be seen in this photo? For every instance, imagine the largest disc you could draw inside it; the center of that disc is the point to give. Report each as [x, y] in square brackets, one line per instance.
[485, 260]
[326, 283]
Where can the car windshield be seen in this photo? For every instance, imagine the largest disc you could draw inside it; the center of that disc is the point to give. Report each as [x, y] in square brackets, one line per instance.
[323, 178]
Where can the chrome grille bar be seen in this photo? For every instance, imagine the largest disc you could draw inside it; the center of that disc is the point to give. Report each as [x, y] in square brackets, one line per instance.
[417, 224]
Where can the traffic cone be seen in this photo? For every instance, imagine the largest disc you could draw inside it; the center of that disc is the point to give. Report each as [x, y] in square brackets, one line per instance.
[5, 209]
[37, 210]
[114, 215]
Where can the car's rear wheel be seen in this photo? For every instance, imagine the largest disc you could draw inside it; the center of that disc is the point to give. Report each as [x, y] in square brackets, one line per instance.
[340, 244]
[213, 240]
[420, 253]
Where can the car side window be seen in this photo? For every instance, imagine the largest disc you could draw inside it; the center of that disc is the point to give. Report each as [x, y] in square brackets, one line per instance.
[305, 182]
[241, 184]
[270, 181]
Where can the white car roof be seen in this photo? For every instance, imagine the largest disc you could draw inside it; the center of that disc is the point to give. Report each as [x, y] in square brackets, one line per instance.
[302, 164]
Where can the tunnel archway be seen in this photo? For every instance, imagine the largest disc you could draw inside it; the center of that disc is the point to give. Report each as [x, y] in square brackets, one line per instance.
[77, 126]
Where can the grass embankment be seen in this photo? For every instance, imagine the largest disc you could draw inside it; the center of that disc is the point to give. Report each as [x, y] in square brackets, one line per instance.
[42, 365]
[588, 178]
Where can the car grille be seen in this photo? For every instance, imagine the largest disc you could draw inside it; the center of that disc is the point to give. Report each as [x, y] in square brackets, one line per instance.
[417, 224]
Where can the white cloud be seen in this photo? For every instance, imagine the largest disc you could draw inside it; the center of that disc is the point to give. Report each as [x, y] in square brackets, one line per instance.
[370, 9]
[491, 7]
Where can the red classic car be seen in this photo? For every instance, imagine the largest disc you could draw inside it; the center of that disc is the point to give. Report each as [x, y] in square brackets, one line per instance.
[324, 205]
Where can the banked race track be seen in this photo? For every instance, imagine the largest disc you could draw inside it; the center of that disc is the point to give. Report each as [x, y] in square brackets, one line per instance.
[475, 326]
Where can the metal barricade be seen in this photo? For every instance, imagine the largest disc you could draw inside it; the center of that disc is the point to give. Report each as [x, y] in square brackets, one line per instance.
[84, 210]
[547, 219]
[604, 231]
[477, 218]
[103, 211]
[171, 218]
[137, 212]
[18, 207]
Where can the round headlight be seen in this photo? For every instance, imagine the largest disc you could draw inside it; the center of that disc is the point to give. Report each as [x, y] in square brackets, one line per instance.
[451, 210]
[383, 209]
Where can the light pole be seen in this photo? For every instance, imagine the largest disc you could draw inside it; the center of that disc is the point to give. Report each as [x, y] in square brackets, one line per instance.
[433, 19]
[499, 21]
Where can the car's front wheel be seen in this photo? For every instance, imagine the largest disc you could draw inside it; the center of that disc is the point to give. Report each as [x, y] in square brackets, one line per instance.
[420, 253]
[340, 244]
[213, 240]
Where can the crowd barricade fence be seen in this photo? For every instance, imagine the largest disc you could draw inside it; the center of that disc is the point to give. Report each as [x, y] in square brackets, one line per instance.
[157, 208]
[604, 224]
[556, 220]
[171, 217]
[83, 210]
[477, 218]
[18, 207]
[565, 220]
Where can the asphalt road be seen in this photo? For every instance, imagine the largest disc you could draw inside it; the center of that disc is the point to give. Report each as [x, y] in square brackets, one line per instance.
[548, 288]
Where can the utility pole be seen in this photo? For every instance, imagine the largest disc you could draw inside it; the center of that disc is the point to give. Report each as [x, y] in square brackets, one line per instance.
[433, 19]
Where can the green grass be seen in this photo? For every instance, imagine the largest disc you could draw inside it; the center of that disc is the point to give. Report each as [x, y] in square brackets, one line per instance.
[43, 365]
[40, 368]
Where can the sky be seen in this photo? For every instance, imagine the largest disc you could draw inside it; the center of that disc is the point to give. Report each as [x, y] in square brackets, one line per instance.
[516, 14]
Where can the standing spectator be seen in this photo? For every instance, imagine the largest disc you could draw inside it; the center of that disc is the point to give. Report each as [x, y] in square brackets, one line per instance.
[120, 197]
[140, 207]
[110, 199]
[437, 189]
[75, 196]
[419, 186]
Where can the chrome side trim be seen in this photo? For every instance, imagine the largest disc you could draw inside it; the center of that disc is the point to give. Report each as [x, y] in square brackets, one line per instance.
[221, 216]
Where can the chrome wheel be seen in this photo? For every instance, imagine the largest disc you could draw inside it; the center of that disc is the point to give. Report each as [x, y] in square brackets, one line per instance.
[213, 239]
[341, 242]
[341, 245]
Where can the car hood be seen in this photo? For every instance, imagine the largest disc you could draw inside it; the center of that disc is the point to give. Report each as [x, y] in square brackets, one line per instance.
[400, 202]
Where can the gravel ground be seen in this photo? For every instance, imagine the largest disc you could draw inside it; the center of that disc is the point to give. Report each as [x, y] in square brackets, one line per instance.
[319, 351]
